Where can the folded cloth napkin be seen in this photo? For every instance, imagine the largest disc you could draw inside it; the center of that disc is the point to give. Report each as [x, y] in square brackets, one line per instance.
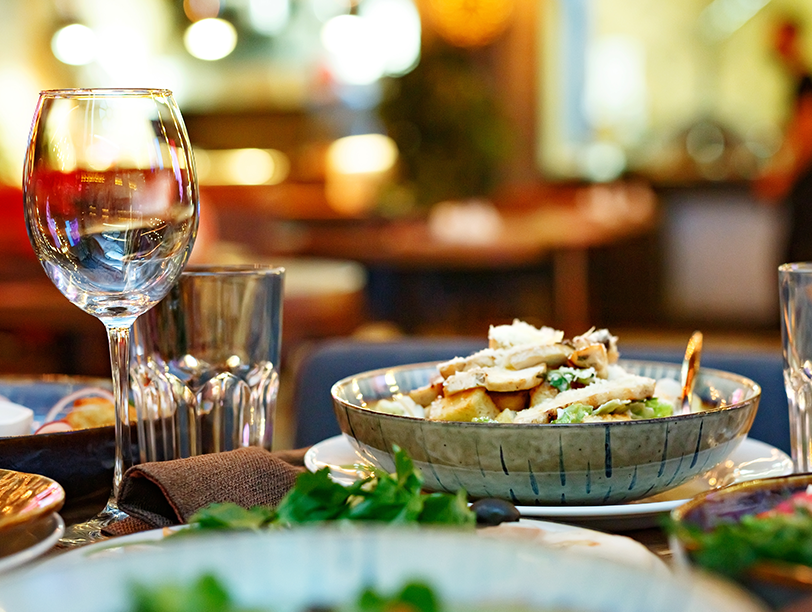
[166, 493]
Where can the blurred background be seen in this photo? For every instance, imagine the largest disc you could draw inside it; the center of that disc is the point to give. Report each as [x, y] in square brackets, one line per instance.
[435, 166]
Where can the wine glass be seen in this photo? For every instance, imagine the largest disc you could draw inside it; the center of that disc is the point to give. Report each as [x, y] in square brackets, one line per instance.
[111, 206]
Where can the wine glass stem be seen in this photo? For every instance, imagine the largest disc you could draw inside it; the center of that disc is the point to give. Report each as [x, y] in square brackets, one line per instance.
[119, 339]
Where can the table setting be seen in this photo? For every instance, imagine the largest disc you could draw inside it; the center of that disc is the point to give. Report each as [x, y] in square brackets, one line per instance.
[501, 478]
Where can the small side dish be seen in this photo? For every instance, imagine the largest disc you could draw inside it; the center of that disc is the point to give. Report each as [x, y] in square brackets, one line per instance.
[757, 533]
[535, 375]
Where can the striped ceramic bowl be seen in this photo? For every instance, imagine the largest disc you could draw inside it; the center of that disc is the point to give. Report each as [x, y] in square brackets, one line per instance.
[587, 464]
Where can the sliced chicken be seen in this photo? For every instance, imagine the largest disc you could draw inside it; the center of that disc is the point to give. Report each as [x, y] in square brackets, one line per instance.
[485, 358]
[630, 387]
[591, 356]
[598, 336]
[528, 355]
[495, 379]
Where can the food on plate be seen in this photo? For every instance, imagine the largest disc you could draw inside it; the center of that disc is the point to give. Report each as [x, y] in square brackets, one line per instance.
[389, 498]
[209, 594]
[535, 375]
[84, 409]
[734, 546]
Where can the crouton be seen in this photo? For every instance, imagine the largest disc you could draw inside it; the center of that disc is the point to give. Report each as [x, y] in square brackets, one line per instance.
[514, 401]
[463, 406]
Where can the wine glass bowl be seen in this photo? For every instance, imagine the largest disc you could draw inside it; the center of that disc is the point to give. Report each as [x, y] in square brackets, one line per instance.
[111, 208]
[111, 200]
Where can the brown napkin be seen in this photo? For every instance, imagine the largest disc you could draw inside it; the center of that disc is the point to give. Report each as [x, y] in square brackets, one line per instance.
[165, 493]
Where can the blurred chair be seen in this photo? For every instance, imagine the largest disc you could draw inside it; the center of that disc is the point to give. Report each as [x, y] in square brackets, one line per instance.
[330, 361]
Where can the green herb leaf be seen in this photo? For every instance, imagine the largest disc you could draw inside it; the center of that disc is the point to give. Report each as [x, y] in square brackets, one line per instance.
[231, 516]
[574, 413]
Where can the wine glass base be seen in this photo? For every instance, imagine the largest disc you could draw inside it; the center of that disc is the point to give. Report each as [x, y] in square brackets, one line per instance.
[91, 530]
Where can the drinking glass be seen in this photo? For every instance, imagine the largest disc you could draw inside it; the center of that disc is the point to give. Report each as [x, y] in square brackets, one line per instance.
[795, 285]
[205, 363]
[111, 206]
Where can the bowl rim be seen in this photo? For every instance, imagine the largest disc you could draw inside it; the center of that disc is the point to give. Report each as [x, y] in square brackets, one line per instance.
[743, 380]
[680, 513]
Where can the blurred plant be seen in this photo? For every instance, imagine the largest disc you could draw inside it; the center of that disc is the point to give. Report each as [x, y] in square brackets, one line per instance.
[447, 125]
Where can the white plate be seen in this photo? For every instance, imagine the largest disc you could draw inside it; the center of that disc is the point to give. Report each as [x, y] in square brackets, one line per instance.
[752, 459]
[619, 549]
[283, 570]
[29, 541]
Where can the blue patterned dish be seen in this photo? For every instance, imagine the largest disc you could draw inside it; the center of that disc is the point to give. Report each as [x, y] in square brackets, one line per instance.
[531, 464]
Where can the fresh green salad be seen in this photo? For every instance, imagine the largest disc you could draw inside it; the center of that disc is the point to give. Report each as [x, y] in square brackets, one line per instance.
[783, 533]
[389, 498]
[208, 594]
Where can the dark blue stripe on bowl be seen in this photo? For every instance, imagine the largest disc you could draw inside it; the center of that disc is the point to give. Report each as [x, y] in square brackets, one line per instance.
[513, 497]
[478, 458]
[502, 459]
[695, 458]
[588, 478]
[533, 484]
[678, 470]
[428, 459]
[665, 452]
[634, 479]
[608, 494]
[608, 446]
[561, 462]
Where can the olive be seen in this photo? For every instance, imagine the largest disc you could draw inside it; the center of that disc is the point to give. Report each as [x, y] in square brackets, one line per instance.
[491, 511]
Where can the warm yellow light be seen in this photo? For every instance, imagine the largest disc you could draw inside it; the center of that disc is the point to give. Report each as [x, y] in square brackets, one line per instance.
[470, 23]
[210, 39]
[359, 154]
[241, 166]
[201, 9]
[357, 169]
[74, 44]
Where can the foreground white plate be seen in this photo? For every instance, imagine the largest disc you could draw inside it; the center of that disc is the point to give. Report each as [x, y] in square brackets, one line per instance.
[752, 459]
[618, 549]
[285, 570]
[25, 543]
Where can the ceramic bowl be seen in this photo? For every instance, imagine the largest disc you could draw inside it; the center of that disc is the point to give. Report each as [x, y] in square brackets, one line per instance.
[779, 583]
[81, 461]
[572, 464]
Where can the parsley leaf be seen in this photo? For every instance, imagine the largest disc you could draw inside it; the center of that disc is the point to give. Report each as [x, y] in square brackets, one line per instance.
[391, 498]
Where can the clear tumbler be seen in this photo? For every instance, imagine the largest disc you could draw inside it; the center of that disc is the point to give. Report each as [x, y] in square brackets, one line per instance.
[205, 363]
[795, 286]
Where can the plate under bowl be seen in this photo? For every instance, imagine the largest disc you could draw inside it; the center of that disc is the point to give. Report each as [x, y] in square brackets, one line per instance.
[574, 464]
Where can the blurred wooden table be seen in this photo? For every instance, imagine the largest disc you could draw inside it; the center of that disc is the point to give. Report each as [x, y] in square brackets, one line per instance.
[559, 228]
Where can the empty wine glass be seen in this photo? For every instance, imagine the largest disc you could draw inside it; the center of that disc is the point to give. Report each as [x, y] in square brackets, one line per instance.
[111, 205]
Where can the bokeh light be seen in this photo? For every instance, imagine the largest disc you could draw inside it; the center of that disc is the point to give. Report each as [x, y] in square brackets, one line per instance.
[397, 25]
[241, 166]
[210, 39]
[364, 153]
[470, 23]
[75, 44]
[353, 51]
[269, 17]
[201, 9]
